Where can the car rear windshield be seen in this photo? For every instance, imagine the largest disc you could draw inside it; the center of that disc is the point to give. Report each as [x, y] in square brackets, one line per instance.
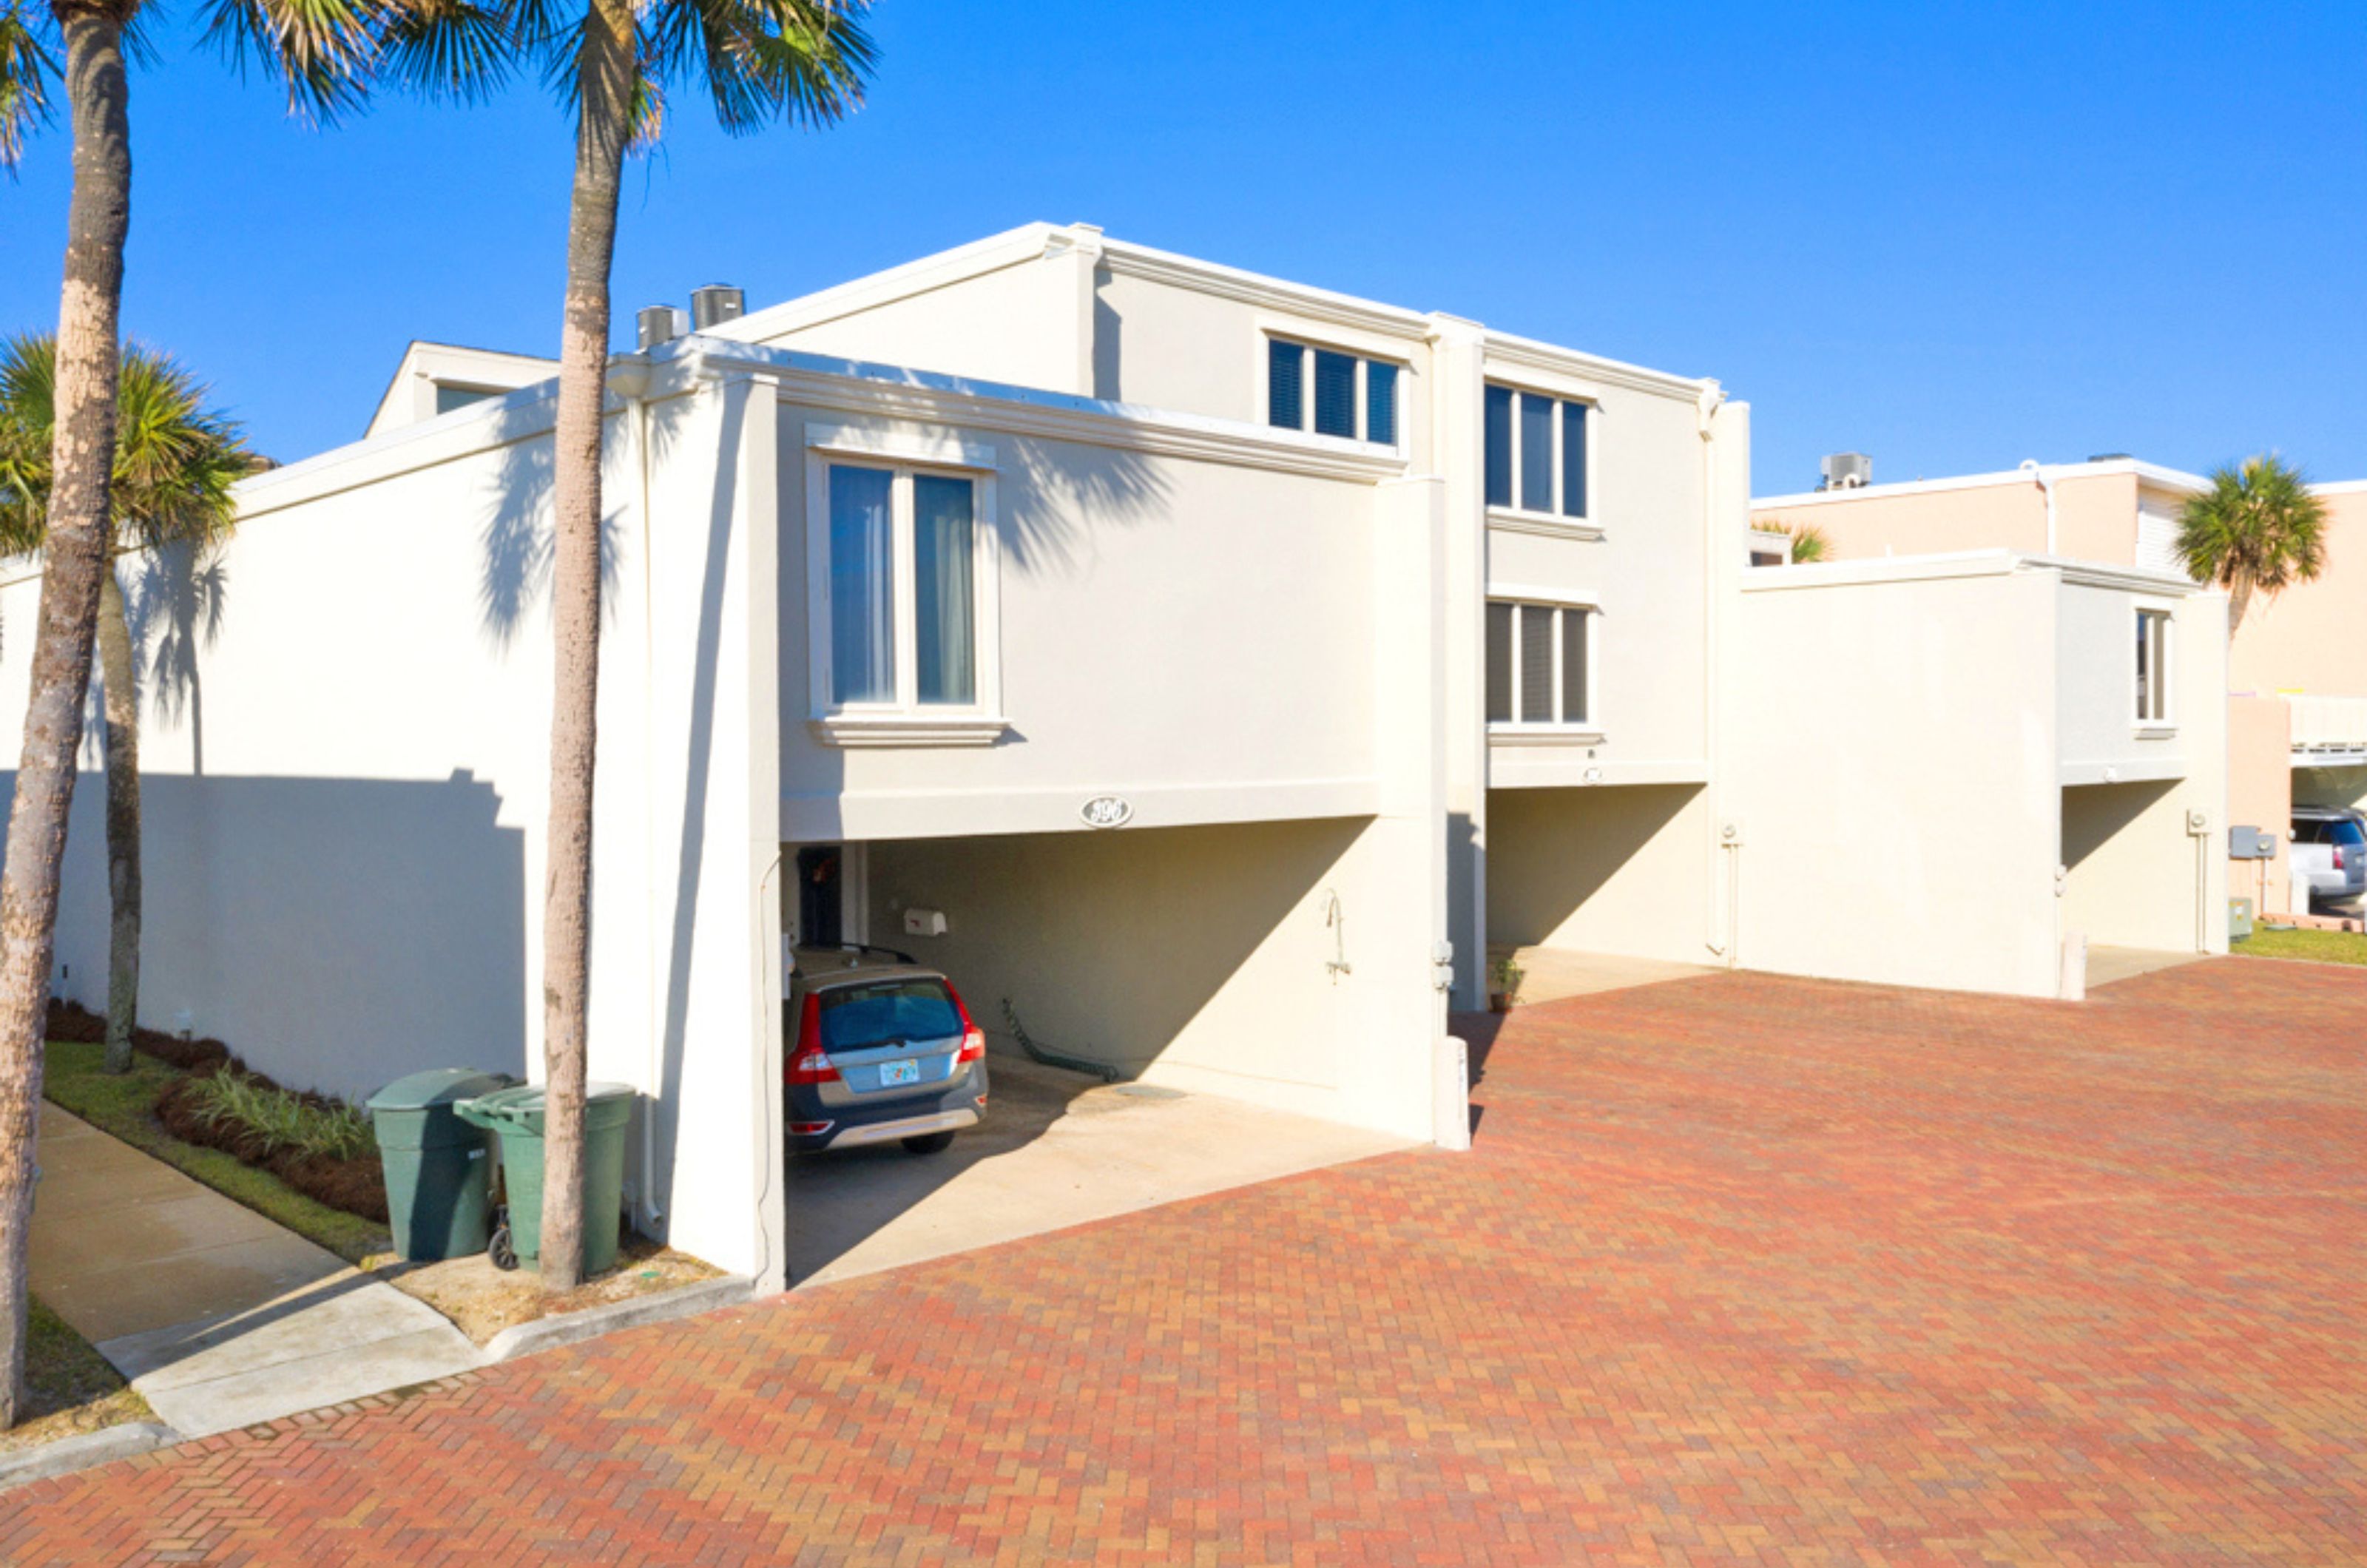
[885, 1012]
[2346, 832]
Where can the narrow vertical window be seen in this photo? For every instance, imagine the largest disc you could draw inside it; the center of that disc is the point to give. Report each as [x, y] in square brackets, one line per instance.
[1335, 394]
[1537, 664]
[1285, 373]
[1573, 460]
[1499, 663]
[1573, 665]
[1380, 402]
[944, 601]
[2152, 667]
[862, 586]
[1537, 453]
[1500, 445]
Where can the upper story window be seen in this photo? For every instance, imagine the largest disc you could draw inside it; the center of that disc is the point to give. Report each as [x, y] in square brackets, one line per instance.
[1540, 662]
[1330, 392]
[1537, 453]
[901, 574]
[2153, 667]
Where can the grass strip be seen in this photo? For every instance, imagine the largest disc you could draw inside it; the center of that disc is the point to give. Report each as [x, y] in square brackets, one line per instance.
[2322, 947]
[125, 1106]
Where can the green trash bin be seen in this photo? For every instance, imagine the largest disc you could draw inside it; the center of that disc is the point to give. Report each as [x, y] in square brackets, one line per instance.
[515, 1115]
[438, 1168]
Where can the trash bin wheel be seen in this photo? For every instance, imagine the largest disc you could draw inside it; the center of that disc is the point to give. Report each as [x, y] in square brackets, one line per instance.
[504, 1255]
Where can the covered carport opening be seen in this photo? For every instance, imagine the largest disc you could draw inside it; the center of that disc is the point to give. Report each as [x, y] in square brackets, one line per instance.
[1591, 886]
[1169, 1010]
[2134, 876]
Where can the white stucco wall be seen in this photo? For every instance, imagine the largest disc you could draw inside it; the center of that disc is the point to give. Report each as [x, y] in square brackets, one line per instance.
[1892, 765]
[347, 786]
[2097, 636]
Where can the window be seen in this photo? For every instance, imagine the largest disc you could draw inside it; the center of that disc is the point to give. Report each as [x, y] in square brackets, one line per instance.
[1539, 663]
[1541, 442]
[901, 569]
[2152, 667]
[1354, 397]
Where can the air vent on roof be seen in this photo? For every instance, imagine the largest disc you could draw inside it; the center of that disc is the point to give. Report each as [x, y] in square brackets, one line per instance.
[658, 324]
[716, 304]
[2107, 457]
[1846, 470]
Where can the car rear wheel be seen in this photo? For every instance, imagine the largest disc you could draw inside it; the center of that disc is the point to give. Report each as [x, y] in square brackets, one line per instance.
[929, 1144]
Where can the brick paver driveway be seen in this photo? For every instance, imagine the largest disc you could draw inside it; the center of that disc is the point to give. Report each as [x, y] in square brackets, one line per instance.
[1742, 1269]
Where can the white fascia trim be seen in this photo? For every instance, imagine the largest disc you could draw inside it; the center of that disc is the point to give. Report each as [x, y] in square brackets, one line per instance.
[2104, 574]
[2133, 769]
[2340, 487]
[1507, 769]
[2331, 756]
[934, 449]
[908, 729]
[1528, 354]
[2148, 473]
[1544, 524]
[1536, 593]
[1304, 301]
[483, 426]
[1883, 568]
[1014, 247]
[957, 813]
[889, 391]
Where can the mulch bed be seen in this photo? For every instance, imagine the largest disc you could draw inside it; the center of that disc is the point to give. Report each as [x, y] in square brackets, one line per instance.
[352, 1186]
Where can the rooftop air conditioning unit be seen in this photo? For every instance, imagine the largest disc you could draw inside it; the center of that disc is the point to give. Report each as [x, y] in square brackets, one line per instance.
[1846, 470]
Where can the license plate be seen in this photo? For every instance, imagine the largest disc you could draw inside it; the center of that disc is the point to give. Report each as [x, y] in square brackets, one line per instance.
[893, 1073]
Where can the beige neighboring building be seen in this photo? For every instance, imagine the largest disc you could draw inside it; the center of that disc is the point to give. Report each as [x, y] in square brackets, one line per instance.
[2296, 671]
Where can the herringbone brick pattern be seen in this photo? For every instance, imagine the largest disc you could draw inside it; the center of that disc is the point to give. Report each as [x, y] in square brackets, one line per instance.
[1742, 1269]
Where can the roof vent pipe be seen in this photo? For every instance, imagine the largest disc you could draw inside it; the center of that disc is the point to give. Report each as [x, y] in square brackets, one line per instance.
[2032, 467]
[716, 304]
[654, 324]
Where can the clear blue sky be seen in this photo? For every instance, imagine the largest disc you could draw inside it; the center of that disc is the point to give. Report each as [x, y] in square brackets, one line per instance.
[1952, 237]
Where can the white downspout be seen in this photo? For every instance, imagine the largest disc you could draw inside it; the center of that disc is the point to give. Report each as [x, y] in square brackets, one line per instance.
[2032, 467]
[1705, 407]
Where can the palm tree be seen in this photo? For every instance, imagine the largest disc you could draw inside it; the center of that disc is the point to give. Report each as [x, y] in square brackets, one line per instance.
[1809, 543]
[2257, 529]
[175, 463]
[320, 51]
[800, 60]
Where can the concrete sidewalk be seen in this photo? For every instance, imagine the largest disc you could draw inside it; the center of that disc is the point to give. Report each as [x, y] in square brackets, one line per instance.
[219, 1316]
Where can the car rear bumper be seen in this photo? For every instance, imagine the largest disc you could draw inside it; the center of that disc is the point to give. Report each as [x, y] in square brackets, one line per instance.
[903, 1127]
[813, 1125]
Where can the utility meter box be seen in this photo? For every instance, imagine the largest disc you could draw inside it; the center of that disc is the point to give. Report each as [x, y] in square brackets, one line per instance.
[2251, 843]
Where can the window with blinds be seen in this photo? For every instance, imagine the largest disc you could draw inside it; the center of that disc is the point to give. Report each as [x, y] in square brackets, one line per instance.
[1539, 663]
[1330, 392]
[1536, 457]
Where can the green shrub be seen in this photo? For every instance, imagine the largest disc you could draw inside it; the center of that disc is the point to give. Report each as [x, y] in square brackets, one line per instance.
[285, 1122]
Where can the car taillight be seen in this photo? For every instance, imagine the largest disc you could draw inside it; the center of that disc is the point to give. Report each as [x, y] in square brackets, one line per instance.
[973, 1045]
[809, 1063]
[2340, 863]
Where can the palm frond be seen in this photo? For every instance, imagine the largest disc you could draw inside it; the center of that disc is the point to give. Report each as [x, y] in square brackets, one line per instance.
[454, 51]
[27, 68]
[175, 460]
[2257, 524]
[806, 61]
[323, 51]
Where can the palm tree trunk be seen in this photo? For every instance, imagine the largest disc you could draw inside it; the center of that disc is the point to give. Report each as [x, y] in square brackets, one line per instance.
[121, 681]
[2239, 597]
[604, 72]
[89, 311]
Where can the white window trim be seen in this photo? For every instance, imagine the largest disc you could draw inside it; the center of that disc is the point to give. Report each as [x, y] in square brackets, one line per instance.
[905, 721]
[2165, 662]
[1270, 335]
[1514, 731]
[1553, 524]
